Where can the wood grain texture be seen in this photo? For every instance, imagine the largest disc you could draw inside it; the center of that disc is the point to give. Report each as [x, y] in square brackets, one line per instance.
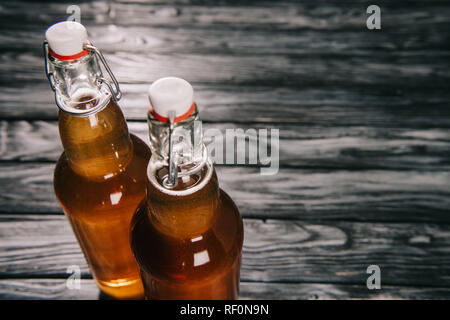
[56, 289]
[408, 178]
[375, 195]
[43, 246]
[260, 104]
[299, 146]
[364, 137]
[260, 62]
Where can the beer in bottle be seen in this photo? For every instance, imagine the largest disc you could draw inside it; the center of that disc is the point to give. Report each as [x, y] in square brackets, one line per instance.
[187, 234]
[100, 178]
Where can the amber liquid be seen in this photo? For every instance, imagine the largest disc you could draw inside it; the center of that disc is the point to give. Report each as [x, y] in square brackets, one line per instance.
[188, 247]
[100, 180]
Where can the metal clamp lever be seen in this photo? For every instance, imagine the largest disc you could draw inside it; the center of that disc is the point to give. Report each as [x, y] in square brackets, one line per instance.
[116, 90]
[49, 74]
[171, 180]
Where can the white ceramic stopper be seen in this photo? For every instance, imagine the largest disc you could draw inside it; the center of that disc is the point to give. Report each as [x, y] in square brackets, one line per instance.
[66, 38]
[171, 93]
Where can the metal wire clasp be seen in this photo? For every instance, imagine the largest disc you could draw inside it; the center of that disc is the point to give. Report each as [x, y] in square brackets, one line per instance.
[114, 86]
[171, 181]
[49, 74]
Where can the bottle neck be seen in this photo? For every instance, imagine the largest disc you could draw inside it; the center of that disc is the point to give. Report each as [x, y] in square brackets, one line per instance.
[176, 148]
[74, 80]
[95, 136]
[188, 212]
[187, 208]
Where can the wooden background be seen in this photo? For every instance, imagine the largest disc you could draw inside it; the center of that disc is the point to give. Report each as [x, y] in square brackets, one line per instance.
[364, 147]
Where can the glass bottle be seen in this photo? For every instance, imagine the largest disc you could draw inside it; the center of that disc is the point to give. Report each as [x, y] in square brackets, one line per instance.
[100, 178]
[187, 235]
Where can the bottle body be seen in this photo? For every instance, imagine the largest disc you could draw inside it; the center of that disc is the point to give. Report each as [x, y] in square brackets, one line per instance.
[187, 235]
[189, 246]
[99, 181]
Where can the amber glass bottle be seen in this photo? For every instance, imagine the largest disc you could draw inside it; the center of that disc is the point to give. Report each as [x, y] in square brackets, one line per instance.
[100, 178]
[187, 234]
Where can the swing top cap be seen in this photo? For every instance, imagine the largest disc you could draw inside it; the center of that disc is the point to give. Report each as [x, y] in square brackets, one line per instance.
[171, 94]
[66, 38]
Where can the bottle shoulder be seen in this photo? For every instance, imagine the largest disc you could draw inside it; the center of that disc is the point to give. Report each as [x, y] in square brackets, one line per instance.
[71, 187]
[196, 257]
[141, 156]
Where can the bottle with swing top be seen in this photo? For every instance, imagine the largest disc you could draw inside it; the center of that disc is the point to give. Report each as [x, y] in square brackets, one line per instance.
[187, 234]
[100, 178]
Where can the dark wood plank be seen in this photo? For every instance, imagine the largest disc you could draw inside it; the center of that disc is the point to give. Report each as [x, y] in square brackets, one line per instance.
[374, 195]
[43, 246]
[313, 291]
[239, 70]
[56, 289]
[231, 14]
[299, 146]
[325, 107]
[279, 62]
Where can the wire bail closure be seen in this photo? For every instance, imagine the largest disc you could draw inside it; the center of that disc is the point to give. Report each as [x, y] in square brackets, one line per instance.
[116, 90]
[49, 74]
[113, 87]
[172, 179]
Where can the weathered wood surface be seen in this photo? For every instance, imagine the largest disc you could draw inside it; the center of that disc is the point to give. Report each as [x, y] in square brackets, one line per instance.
[375, 195]
[299, 147]
[364, 124]
[276, 106]
[274, 251]
[321, 174]
[261, 62]
[56, 289]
